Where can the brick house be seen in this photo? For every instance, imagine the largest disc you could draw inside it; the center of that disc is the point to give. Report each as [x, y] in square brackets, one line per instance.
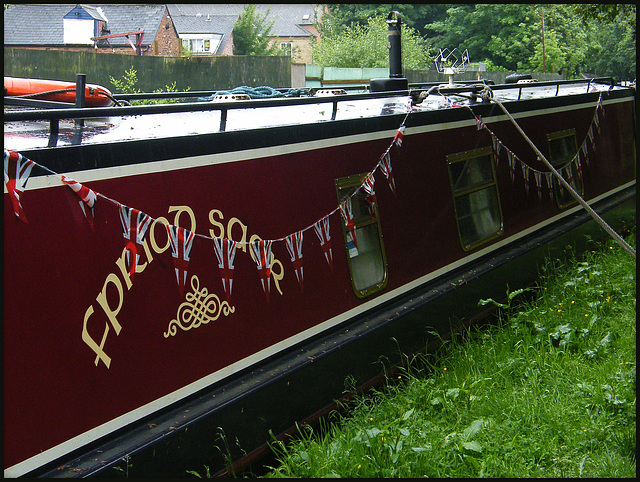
[75, 28]
[203, 29]
[206, 29]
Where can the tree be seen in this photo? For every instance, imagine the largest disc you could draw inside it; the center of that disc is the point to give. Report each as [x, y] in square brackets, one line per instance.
[414, 15]
[365, 46]
[252, 32]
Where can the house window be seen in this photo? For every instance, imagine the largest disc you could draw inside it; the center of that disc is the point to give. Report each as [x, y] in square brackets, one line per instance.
[365, 249]
[563, 148]
[198, 46]
[286, 47]
[475, 195]
[201, 44]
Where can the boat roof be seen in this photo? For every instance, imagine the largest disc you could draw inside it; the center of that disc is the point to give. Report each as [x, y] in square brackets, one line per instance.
[30, 129]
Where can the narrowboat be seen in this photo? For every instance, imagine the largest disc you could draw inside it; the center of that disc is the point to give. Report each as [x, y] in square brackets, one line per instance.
[185, 281]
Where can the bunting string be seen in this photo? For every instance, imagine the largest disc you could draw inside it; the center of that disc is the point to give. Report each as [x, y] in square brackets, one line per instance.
[513, 159]
[136, 223]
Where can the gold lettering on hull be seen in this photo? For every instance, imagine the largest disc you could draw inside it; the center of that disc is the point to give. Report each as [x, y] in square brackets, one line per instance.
[199, 309]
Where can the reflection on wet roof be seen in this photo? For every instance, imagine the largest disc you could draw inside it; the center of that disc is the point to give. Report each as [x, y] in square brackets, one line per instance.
[35, 134]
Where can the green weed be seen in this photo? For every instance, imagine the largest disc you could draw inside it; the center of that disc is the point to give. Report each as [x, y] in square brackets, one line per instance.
[546, 391]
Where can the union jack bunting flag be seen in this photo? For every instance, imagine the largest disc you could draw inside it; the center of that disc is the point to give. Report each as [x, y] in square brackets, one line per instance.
[134, 227]
[562, 173]
[511, 157]
[397, 139]
[591, 138]
[579, 167]
[87, 196]
[495, 142]
[585, 154]
[225, 250]
[569, 173]
[322, 231]
[181, 242]
[479, 122]
[16, 174]
[369, 187]
[261, 251]
[385, 167]
[294, 246]
[525, 175]
[346, 209]
[596, 121]
[600, 105]
[538, 177]
[549, 177]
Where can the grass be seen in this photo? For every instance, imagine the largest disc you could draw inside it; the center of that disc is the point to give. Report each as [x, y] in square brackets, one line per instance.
[546, 391]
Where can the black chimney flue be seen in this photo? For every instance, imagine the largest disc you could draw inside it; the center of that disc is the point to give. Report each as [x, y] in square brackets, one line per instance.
[395, 81]
[395, 45]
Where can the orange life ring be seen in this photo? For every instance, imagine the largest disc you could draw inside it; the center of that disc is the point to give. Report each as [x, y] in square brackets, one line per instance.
[60, 91]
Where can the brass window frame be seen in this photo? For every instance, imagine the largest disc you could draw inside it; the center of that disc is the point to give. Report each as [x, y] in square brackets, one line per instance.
[554, 136]
[350, 184]
[464, 156]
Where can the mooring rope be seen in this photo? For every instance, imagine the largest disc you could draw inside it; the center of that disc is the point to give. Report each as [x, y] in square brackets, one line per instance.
[487, 95]
[262, 92]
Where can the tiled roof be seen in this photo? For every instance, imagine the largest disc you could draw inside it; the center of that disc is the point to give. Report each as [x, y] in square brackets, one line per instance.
[287, 18]
[41, 24]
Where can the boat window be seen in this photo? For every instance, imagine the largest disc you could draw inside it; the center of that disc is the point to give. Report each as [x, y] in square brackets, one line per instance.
[562, 149]
[366, 257]
[475, 196]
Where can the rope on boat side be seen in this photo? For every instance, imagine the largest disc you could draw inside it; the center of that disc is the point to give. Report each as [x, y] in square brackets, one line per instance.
[487, 94]
[68, 89]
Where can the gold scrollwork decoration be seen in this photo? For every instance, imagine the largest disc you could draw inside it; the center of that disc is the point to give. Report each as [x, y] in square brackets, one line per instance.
[199, 309]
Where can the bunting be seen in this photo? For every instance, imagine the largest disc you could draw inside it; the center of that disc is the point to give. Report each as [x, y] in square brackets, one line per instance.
[134, 227]
[596, 122]
[136, 223]
[579, 167]
[583, 149]
[385, 167]
[591, 138]
[225, 250]
[181, 241]
[525, 175]
[261, 251]
[549, 177]
[87, 197]
[479, 124]
[398, 137]
[496, 144]
[294, 247]
[511, 158]
[16, 174]
[346, 209]
[322, 231]
[369, 187]
[538, 177]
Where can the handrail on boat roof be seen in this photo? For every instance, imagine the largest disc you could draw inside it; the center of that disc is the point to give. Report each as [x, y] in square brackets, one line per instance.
[59, 110]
